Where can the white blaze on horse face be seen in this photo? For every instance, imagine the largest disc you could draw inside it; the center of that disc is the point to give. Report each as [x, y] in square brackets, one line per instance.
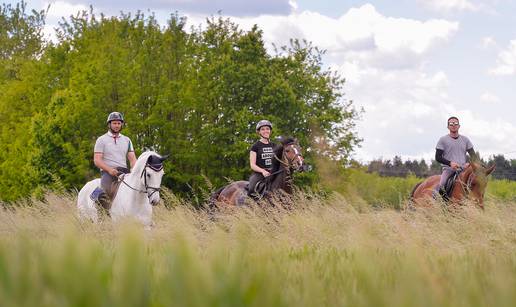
[298, 156]
[153, 180]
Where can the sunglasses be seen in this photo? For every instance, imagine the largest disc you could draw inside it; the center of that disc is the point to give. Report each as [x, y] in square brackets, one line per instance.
[453, 124]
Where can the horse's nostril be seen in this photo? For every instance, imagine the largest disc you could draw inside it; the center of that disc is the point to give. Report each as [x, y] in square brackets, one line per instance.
[155, 201]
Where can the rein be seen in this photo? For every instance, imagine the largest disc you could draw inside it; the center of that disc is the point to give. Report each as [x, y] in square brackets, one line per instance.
[466, 186]
[289, 163]
[144, 175]
[286, 164]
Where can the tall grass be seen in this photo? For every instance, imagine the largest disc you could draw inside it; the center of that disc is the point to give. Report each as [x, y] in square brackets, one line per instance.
[323, 252]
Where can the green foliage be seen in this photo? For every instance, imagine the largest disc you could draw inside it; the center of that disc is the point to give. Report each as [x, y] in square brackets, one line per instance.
[195, 95]
[23, 90]
[392, 192]
[502, 189]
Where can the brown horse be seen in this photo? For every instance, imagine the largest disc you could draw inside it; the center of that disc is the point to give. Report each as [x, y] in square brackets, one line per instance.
[470, 184]
[287, 159]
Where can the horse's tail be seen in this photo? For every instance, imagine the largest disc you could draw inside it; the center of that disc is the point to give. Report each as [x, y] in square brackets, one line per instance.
[414, 190]
[212, 201]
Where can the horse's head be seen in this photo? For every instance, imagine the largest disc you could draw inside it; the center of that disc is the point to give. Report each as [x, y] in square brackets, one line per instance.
[151, 176]
[292, 155]
[476, 182]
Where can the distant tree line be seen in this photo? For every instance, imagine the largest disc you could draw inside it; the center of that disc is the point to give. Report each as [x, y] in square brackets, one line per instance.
[505, 169]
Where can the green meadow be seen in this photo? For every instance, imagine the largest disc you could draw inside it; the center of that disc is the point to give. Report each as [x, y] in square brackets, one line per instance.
[332, 251]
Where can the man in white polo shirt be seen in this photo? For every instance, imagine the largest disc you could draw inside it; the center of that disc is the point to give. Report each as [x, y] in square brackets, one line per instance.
[112, 150]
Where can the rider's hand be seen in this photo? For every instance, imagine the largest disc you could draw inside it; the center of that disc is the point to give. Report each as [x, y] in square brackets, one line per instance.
[113, 172]
[265, 173]
[454, 165]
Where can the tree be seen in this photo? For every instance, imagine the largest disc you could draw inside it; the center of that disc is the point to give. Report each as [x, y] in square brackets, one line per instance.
[196, 95]
[22, 92]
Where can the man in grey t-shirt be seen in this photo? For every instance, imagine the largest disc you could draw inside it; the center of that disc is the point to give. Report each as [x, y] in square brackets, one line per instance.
[451, 151]
[112, 150]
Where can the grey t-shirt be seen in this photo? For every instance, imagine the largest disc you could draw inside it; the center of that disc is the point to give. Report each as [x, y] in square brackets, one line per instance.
[454, 149]
[114, 149]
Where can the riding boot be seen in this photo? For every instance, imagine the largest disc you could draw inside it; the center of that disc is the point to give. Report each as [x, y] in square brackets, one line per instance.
[254, 196]
[104, 201]
[443, 194]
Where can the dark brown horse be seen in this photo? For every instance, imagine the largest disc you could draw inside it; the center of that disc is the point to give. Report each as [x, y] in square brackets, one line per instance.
[287, 159]
[470, 184]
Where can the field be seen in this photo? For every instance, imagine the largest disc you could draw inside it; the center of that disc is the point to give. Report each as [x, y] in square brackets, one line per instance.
[332, 251]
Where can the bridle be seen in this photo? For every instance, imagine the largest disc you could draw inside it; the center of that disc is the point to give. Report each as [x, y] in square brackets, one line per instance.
[290, 162]
[466, 186]
[156, 168]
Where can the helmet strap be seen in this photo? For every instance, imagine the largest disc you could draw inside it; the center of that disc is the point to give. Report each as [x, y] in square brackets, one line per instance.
[261, 136]
[111, 130]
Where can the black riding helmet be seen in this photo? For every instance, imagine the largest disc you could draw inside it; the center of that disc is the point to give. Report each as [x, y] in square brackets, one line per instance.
[115, 116]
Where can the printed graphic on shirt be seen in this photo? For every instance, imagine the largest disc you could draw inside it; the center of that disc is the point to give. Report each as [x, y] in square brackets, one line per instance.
[267, 155]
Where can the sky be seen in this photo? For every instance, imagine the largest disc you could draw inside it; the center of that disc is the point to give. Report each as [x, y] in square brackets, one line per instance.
[410, 64]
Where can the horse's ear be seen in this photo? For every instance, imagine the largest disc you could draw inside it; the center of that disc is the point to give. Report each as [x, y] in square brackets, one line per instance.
[490, 169]
[164, 157]
[280, 139]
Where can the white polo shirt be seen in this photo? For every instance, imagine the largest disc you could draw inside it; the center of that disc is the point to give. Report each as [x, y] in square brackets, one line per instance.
[114, 149]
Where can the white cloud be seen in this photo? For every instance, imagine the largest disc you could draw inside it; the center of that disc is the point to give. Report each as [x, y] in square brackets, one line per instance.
[207, 7]
[506, 61]
[383, 60]
[488, 42]
[449, 5]
[60, 9]
[489, 97]
[362, 33]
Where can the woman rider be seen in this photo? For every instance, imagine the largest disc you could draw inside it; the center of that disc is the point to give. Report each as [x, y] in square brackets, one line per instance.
[261, 156]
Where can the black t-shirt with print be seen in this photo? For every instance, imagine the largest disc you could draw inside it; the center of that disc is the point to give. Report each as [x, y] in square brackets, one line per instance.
[264, 154]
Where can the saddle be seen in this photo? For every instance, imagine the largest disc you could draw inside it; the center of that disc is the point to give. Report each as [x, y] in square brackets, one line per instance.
[260, 188]
[104, 197]
[446, 191]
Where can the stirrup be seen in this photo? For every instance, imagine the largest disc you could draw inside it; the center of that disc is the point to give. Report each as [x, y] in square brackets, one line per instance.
[95, 195]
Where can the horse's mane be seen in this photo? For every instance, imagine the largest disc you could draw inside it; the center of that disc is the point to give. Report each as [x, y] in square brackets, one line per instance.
[142, 160]
[278, 151]
[479, 171]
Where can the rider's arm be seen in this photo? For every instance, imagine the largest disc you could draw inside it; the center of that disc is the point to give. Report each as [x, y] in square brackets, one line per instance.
[99, 162]
[439, 157]
[254, 167]
[132, 158]
[252, 162]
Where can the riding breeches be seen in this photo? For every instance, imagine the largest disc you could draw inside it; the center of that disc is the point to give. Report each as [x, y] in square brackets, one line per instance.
[106, 180]
[447, 173]
[253, 180]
